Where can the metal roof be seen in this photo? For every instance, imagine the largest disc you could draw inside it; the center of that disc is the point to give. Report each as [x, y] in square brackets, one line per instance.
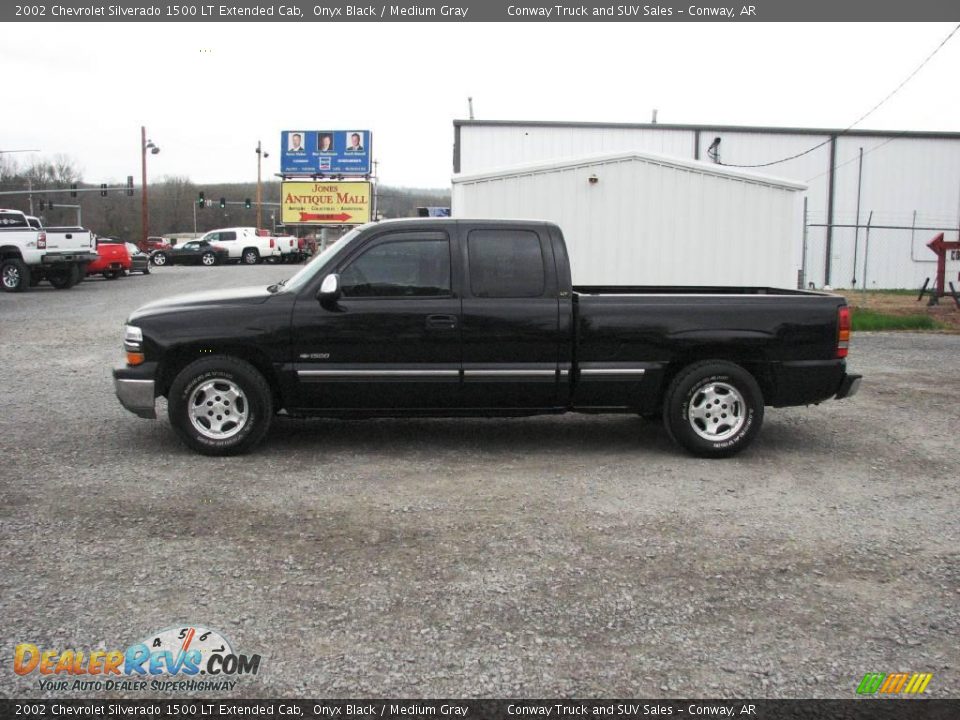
[642, 156]
[932, 134]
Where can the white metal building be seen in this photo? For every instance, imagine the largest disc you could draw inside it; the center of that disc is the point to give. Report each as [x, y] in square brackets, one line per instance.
[633, 218]
[907, 179]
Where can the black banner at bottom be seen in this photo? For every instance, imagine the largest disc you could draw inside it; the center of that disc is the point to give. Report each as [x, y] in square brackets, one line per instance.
[855, 709]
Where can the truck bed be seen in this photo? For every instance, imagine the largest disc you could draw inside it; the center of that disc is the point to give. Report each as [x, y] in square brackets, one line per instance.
[687, 290]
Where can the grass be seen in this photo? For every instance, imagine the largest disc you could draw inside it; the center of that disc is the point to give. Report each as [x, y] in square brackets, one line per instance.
[851, 292]
[864, 319]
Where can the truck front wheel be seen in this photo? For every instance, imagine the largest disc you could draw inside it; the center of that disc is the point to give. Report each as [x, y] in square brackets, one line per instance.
[14, 275]
[220, 405]
[713, 408]
[250, 256]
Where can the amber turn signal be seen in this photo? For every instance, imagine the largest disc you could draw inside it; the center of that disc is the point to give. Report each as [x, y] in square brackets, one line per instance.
[134, 358]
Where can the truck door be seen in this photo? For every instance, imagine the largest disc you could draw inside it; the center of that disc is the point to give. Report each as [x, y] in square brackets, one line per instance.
[510, 332]
[392, 340]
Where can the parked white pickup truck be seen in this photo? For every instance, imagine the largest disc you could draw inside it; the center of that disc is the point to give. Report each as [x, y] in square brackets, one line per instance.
[29, 253]
[244, 244]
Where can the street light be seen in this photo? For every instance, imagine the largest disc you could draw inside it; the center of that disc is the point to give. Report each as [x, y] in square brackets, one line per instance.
[260, 154]
[154, 149]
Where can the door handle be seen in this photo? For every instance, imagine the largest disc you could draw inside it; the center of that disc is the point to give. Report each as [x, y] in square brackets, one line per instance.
[441, 322]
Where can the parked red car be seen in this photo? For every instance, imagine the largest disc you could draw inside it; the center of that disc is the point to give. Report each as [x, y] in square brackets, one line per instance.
[155, 243]
[113, 259]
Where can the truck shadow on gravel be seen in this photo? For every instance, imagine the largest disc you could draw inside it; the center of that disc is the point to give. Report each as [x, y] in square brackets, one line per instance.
[535, 435]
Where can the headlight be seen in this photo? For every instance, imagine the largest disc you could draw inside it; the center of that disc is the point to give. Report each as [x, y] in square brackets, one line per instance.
[133, 345]
[132, 334]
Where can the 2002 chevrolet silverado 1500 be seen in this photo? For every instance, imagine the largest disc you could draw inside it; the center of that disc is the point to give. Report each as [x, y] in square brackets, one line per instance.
[460, 317]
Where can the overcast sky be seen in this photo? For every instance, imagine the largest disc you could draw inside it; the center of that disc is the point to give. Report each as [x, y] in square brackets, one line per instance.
[207, 92]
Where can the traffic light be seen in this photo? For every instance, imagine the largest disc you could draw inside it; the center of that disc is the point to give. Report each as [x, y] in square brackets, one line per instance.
[247, 204]
[129, 185]
[43, 204]
[201, 202]
[223, 203]
[103, 189]
[73, 190]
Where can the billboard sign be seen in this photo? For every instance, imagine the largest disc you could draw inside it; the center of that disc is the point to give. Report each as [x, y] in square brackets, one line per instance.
[325, 203]
[327, 152]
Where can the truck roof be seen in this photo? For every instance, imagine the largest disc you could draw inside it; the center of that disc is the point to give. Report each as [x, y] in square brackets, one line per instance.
[509, 222]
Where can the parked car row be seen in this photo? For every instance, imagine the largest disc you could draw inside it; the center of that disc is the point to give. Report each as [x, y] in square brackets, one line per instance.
[30, 253]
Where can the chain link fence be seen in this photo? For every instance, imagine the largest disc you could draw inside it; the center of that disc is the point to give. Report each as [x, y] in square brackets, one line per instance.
[881, 251]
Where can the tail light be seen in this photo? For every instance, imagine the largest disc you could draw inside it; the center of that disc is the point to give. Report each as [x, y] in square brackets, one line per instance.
[42, 241]
[272, 243]
[843, 331]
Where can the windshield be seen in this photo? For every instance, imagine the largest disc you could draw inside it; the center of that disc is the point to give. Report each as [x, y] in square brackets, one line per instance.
[309, 271]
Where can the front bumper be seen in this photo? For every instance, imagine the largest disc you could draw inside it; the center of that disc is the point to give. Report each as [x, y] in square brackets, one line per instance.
[135, 392]
[849, 386]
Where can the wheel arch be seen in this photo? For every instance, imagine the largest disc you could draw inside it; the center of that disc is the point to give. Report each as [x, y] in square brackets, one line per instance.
[10, 252]
[758, 367]
[176, 359]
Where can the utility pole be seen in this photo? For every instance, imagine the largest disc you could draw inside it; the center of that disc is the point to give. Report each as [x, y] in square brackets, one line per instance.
[144, 212]
[260, 154]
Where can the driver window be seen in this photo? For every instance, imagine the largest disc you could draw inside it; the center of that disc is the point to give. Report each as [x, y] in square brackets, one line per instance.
[399, 268]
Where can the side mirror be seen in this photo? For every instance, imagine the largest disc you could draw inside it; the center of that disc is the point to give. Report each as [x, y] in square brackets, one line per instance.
[329, 288]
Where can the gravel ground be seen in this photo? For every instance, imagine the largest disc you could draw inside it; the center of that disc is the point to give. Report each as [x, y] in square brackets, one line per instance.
[552, 556]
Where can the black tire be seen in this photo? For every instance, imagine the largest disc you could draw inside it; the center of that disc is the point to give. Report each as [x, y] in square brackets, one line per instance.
[250, 256]
[159, 259]
[112, 274]
[64, 278]
[224, 374]
[146, 269]
[713, 408]
[14, 275]
[208, 259]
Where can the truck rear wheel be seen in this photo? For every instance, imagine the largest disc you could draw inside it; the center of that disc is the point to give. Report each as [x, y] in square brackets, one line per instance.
[64, 278]
[14, 275]
[713, 408]
[220, 405]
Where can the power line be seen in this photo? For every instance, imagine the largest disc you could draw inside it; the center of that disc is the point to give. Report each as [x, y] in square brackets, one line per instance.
[862, 117]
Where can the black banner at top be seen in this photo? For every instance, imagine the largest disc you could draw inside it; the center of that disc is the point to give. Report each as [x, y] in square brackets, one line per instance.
[323, 11]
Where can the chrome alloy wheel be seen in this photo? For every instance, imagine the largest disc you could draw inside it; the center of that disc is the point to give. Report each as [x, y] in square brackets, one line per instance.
[208, 259]
[717, 411]
[218, 409]
[11, 277]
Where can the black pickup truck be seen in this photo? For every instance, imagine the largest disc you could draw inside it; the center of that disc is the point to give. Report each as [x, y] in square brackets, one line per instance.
[475, 317]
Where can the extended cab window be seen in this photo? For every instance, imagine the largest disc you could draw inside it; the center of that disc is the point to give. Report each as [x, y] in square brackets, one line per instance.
[505, 264]
[399, 268]
[11, 220]
[224, 236]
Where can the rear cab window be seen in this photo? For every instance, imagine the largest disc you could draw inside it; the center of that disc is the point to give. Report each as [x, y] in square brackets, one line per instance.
[14, 219]
[505, 264]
